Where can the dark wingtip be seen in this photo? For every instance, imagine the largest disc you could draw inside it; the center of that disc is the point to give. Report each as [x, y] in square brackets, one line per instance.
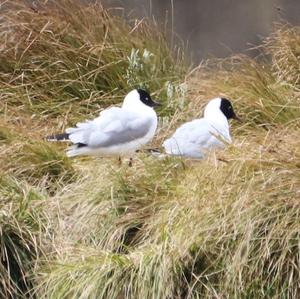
[79, 144]
[58, 137]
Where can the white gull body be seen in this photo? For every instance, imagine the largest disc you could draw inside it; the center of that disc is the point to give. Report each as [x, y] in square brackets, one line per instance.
[117, 131]
[195, 138]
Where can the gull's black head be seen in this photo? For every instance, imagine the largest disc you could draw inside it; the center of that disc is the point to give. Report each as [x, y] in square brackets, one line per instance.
[227, 109]
[146, 98]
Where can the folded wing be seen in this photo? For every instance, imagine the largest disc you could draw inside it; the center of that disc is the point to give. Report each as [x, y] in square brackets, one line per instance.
[192, 139]
[114, 126]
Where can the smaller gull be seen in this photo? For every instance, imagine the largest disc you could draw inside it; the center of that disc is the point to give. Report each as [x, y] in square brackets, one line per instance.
[195, 138]
[117, 131]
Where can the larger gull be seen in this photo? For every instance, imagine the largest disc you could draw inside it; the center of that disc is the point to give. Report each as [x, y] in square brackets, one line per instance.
[117, 131]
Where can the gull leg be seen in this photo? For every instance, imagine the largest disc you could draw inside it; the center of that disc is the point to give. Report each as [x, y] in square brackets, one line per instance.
[130, 162]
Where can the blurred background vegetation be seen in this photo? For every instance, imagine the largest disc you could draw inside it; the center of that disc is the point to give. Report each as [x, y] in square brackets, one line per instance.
[214, 28]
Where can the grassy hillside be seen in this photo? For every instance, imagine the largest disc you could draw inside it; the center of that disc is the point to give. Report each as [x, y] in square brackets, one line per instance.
[226, 227]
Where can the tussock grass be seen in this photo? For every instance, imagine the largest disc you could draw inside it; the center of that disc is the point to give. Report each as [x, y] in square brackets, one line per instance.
[264, 101]
[266, 89]
[284, 48]
[6, 135]
[232, 236]
[226, 227]
[38, 162]
[63, 55]
[21, 227]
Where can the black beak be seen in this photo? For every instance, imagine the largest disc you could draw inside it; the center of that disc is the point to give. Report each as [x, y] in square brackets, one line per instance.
[237, 118]
[155, 104]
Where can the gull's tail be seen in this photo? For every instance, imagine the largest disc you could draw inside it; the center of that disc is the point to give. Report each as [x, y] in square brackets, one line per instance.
[74, 150]
[58, 137]
[79, 149]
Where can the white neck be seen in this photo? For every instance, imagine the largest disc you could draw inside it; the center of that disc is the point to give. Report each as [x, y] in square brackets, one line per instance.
[216, 117]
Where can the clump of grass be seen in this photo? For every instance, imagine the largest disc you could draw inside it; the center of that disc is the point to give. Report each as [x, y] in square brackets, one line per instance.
[253, 86]
[284, 48]
[20, 226]
[123, 197]
[110, 275]
[225, 230]
[261, 92]
[6, 135]
[65, 55]
[39, 162]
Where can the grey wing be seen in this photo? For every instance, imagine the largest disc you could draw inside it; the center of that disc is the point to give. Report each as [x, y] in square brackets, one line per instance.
[196, 131]
[114, 126]
[120, 131]
[189, 139]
